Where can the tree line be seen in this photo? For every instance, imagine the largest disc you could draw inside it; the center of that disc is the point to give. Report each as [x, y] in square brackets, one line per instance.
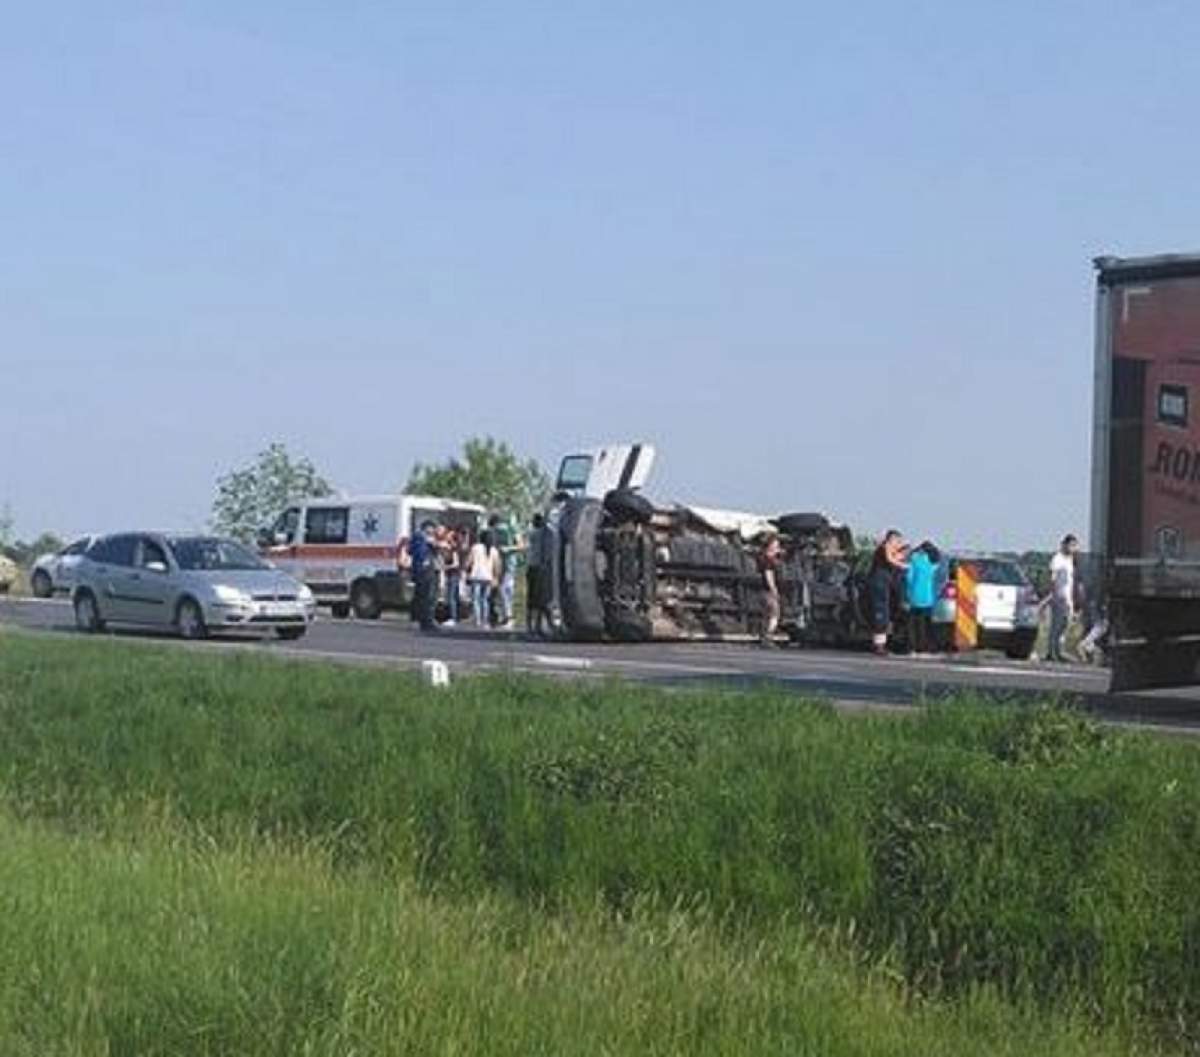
[487, 472]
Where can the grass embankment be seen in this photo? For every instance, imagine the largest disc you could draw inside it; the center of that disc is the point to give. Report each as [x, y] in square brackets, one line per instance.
[520, 829]
[166, 948]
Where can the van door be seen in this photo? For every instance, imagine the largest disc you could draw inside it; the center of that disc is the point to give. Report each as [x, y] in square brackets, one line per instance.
[323, 549]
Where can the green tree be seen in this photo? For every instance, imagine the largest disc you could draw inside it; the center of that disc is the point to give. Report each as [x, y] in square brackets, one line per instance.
[27, 553]
[252, 496]
[489, 473]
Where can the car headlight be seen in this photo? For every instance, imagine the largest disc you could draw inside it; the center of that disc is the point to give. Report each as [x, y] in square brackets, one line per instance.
[230, 595]
[305, 594]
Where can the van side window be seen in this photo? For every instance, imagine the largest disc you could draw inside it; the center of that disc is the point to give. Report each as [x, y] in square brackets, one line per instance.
[285, 524]
[326, 524]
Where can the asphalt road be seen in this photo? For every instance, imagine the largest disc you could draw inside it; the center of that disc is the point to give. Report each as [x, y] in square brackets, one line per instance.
[851, 680]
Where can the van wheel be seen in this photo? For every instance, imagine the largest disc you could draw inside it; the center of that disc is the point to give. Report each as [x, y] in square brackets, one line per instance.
[340, 610]
[364, 600]
[41, 585]
[87, 613]
[1020, 647]
[190, 621]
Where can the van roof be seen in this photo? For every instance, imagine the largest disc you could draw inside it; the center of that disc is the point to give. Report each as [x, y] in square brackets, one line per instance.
[429, 501]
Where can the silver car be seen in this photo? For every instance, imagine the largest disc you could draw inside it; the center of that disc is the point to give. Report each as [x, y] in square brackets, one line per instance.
[193, 584]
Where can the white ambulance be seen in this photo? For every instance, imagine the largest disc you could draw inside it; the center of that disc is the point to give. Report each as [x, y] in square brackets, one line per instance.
[348, 548]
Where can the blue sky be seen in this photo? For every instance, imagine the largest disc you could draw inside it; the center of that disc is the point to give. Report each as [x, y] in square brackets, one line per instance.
[824, 256]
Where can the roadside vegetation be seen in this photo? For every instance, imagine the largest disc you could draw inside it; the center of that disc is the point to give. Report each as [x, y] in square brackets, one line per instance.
[276, 856]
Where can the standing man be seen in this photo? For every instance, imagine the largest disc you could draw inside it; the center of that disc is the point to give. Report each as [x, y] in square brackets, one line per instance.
[505, 586]
[423, 552]
[768, 566]
[919, 581]
[1062, 595]
[539, 577]
[888, 566]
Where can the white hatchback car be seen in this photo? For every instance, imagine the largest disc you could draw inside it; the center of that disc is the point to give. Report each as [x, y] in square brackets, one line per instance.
[1006, 605]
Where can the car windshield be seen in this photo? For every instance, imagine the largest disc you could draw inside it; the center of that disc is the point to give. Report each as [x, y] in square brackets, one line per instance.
[998, 571]
[199, 553]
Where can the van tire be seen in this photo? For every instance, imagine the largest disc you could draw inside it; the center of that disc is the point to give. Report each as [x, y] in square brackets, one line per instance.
[364, 600]
[625, 505]
[801, 524]
[582, 607]
[1020, 646]
[41, 584]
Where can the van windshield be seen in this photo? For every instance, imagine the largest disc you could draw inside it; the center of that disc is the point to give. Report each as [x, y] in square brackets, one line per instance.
[211, 553]
[574, 472]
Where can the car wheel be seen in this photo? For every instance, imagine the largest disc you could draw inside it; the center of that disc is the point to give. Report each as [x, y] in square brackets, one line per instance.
[290, 634]
[190, 621]
[1020, 647]
[41, 584]
[364, 600]
[341, 610]
[87, 613]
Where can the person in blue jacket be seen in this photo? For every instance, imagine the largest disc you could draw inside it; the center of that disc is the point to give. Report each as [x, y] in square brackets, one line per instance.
[920, 584]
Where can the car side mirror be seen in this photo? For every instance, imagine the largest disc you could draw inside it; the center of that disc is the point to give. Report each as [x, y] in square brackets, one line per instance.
[157, 567]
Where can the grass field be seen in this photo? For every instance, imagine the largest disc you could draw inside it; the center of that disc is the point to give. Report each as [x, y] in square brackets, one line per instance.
[232, 855]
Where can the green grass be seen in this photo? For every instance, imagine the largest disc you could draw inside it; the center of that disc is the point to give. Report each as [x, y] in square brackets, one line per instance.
[971, 855]
[164, 948]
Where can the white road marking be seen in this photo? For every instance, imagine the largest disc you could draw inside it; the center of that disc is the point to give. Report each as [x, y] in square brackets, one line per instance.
[560, 662]
[4, 599]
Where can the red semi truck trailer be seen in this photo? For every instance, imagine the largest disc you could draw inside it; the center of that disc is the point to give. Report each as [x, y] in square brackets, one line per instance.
[1145, 519]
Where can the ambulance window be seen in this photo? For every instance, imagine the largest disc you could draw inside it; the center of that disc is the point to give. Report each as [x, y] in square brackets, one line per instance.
[326, 524]
[573, 473]
[419, 517]
[285, 525]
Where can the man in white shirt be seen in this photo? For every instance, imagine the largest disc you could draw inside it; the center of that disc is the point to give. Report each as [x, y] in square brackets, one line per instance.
[1062, 595]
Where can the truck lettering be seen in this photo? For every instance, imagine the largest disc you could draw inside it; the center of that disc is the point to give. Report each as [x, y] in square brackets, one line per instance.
[1182, 464]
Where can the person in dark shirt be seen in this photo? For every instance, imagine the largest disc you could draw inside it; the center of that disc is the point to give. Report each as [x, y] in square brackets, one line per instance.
[423, 552]
[539, 578]
[883, 582]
